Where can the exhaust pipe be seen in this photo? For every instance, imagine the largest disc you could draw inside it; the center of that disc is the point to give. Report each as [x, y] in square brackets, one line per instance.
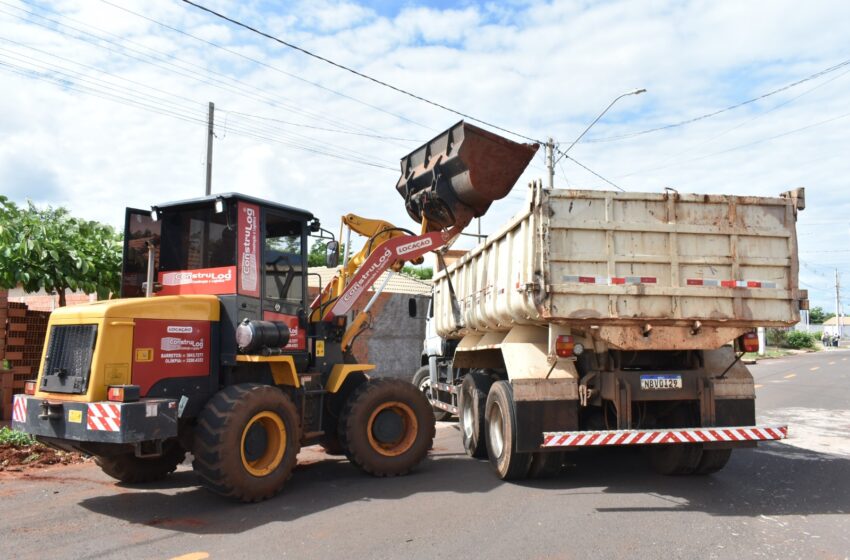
[455, 177]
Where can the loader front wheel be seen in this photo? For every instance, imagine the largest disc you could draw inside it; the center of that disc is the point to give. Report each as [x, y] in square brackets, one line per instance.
[246, 442]
[500, 419]
[473, 398]
[387, 427]
[135, 470]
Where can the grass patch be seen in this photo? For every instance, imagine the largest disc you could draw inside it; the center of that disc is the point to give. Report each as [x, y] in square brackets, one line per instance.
[15, 438]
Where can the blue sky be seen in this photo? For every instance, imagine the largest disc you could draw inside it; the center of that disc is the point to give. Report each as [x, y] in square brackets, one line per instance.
[541, 68]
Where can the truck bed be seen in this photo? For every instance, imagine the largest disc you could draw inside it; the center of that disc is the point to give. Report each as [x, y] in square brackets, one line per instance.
[596, 259]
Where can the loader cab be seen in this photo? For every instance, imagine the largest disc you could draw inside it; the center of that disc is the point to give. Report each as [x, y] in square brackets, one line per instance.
[250, 253]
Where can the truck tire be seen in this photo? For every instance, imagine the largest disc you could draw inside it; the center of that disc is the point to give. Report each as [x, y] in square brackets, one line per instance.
[422, 379]
[387, 427]
[713, 460]
[136, 470]
[545, 465]
[500, 422]
[679, 459]
[472, 402]
[246, 442]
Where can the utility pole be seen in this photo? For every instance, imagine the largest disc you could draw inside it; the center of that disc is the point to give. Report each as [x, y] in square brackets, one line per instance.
[209, 148]
[838, 304]
[550, 162]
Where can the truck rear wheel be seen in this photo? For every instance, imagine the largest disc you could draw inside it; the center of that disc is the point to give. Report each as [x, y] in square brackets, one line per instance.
[246, 442]
[545, 465]
[473, 400]
[713, 460]
[387, 427]
[135, 470]
[422, 379]
[679, 459]
[500, 420]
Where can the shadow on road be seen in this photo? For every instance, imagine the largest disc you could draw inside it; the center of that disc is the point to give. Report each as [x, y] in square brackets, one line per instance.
[773, 480]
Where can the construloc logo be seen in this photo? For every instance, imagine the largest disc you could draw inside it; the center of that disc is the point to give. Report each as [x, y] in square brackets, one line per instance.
[195, 277]
[421, 244]
[249, 229]
[172, 344]
[363, 279]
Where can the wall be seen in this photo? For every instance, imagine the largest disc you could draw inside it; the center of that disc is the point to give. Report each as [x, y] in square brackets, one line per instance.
[394, 343]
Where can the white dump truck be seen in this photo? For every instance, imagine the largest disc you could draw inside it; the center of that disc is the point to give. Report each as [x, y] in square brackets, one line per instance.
[598, 318]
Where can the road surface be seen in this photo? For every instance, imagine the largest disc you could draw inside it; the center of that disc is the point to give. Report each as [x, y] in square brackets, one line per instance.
[782, 500]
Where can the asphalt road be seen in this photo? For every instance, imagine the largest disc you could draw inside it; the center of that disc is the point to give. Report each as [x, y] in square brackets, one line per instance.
[782, 500]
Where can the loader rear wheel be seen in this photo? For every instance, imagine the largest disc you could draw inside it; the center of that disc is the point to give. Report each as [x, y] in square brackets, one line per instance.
[387, 427]
[501, 430]
[713, 460]
[135, 470]
[246, 442]
[676, 459]
[473, 400]
[422, 379]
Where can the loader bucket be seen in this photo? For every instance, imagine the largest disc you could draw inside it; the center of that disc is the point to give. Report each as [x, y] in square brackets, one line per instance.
[456, 176]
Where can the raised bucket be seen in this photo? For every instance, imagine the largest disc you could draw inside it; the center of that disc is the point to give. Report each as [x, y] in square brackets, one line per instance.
[455, 177]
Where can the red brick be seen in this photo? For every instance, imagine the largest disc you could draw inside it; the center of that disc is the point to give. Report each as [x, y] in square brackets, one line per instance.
[16, 312]
[14, 356]
[15, 341]
[17, 327]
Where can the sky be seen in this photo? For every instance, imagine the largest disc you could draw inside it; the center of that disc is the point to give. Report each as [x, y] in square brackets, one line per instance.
[104, 103]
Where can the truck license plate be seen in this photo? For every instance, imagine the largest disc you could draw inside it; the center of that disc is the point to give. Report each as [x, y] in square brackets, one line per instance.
[656, 382]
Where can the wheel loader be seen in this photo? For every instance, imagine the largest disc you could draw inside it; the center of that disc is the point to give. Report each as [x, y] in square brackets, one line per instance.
[215, 348]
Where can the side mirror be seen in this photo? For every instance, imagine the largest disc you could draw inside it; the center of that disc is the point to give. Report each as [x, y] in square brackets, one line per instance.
[332, 254]
[411, 308]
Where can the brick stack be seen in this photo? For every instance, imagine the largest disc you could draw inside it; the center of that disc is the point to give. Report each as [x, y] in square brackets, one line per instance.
[25, 332]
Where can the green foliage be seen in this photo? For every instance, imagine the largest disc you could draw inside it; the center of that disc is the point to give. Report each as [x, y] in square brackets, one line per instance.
[316, 256]
[818, 316]
[51, 250]
[15, 438]
[419, 272]
[775, 337]
[799, 339]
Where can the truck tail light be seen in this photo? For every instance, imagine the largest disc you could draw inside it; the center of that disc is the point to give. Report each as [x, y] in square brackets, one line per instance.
[29, 388]
[564, 346]
[123, 393]
[750, 342]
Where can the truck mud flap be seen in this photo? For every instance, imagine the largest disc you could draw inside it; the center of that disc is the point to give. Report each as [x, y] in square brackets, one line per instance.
[102, 422]
[733, 435]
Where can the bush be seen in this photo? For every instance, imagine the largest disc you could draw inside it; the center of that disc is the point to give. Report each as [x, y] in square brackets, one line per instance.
[776, 337]
[799, 339]
[15, 438]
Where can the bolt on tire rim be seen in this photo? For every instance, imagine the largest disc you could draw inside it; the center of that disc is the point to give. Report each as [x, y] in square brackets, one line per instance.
[263, 443]
[497, 439]
[467, 421]
[392, 428]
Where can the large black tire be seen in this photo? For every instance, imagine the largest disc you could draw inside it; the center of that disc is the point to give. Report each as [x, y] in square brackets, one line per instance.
[679, 459]
[134, 470]
[422, 379]
[332, 446]
[713, 460]
[545, 465]
[387, 427]
[501, 430]
[472, 402]
[246, 442]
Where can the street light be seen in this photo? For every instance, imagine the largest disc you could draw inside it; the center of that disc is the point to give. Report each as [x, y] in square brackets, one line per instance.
[633, 92]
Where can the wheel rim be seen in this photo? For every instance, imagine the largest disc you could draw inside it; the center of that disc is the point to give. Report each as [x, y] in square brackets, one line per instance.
[497, 439]
[263, 443]
[467, 419]
[392, 428]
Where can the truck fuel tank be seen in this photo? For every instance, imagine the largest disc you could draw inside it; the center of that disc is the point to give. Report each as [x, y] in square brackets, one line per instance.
[455, 177]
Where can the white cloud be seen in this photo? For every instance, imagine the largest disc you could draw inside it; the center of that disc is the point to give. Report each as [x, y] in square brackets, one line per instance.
[540, 68]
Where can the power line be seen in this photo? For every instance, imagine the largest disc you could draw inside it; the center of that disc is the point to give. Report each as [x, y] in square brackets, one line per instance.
[592, 172]
[356, 72]
[336, 130]
[715, 113]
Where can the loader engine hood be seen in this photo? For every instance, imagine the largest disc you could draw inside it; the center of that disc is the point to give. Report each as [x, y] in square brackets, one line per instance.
[455, 177]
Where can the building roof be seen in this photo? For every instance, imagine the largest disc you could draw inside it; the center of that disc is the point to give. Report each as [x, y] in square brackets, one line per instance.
[398, 284]
[834, 321]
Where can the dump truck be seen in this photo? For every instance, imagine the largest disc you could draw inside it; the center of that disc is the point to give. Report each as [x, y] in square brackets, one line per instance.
[595, 319]
[215, 348]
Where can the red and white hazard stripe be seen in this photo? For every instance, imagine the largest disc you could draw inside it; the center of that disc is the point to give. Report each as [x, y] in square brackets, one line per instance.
[19, 408]
[646, 437]
[715, 283]
[104, 416]
[610, 280]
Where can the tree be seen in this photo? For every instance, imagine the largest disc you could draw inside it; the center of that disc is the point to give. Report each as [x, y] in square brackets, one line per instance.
[51, 250]
[818, 316]
[316, 256]
[419, 272]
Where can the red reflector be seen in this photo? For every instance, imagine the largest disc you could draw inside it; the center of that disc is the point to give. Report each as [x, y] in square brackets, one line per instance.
[29, 388]
[754, 284]
[564, 346]
[694, 282]
[618, 280]
[648, 280]
[587, 279]
[115, 394]
[750, 342]
[728, 283]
